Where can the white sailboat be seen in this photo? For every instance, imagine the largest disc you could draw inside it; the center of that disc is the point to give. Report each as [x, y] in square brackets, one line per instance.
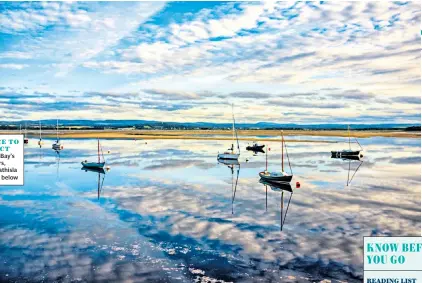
[231, 154]
[278, 177]
[57, 145]
[40, 142]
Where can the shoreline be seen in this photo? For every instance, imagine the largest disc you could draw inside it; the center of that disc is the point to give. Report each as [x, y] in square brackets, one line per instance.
[244, 135]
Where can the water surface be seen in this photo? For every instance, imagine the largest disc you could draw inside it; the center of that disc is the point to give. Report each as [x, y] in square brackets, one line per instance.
[168, 211]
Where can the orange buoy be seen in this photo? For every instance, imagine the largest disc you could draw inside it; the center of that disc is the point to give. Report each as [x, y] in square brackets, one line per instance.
[297, 185]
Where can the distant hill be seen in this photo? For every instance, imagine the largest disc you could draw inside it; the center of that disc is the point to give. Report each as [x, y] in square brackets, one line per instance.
[141, 124]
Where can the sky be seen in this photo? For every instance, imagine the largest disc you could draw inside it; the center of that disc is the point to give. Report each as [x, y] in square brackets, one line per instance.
[284, 62]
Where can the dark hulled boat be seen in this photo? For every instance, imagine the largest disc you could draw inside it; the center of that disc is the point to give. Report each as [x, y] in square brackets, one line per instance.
[347, 152]
[255, 148]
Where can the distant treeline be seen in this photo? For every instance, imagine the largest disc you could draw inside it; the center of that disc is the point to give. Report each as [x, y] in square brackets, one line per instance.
[172, 127]
[413, 129]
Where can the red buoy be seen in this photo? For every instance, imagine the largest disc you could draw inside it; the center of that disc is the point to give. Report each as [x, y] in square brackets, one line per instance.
[297, 185]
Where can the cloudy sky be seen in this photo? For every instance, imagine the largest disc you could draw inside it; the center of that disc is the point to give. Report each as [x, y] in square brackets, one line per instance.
[283, 62]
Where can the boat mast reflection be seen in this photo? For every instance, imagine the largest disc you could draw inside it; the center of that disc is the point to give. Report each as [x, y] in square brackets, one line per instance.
[278, 187]
[100, 182]
[58, 164]
[350, 159]
[232, 164]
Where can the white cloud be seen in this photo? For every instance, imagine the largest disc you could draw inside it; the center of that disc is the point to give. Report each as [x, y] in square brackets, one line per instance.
[15, 55]
[13, 66]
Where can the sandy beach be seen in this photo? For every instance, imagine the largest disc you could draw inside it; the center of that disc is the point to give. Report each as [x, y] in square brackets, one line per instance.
[248, 135]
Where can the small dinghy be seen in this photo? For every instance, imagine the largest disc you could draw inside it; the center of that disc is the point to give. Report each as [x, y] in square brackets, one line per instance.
[95, 165]
[231, 154]
[256, 148]
[277, 177]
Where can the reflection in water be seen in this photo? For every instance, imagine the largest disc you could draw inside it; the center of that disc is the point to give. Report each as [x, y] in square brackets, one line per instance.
[279, 187]
[232, 163]
[350, 159]
[99, 171]
[57, 164]
[165, 215]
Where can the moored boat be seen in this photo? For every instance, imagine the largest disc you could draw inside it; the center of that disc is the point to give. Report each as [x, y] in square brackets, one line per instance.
[40, 142]
[57, 146]
[231, 154]
[95, 165]
[255, 148]
[347, 152]
[277, 177]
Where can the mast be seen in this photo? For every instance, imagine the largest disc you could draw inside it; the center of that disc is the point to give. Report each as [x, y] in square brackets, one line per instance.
[98, 150]
[282, 152]
[348, 130]
[40, 129]
[57, 130]
[233, 130]
[266, 160]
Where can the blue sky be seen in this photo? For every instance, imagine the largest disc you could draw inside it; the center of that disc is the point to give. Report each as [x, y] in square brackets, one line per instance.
[286, 62]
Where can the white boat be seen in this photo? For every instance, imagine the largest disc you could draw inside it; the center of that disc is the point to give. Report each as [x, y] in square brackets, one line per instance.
[40, 142]
[278, 177]
[95, 165]
[57, 145]
[231, 154]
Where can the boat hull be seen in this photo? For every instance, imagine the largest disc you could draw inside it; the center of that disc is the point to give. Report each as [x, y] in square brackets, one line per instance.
[275, 178]
[259, 148]
[228, 156]
[345, 153]
[253, 148]
[347, 157]
[92, 165]
[57, 146]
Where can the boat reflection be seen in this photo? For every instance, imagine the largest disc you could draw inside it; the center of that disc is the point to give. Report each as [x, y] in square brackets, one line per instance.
[232, 165]
[58, 164]
[100, 183]
[278, 187]
[350, 159]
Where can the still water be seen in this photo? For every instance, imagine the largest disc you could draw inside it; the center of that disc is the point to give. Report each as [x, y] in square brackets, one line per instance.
[166, 211]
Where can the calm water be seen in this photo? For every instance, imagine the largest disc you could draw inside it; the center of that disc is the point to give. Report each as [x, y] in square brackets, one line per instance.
[167, 211]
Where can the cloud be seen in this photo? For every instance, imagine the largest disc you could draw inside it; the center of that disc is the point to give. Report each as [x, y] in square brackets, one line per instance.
[305, 104]
[15, 55]
[256, 95]
[408, 99]
[172, 95]
[163, 106]
[197, 57]
[13, 66]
